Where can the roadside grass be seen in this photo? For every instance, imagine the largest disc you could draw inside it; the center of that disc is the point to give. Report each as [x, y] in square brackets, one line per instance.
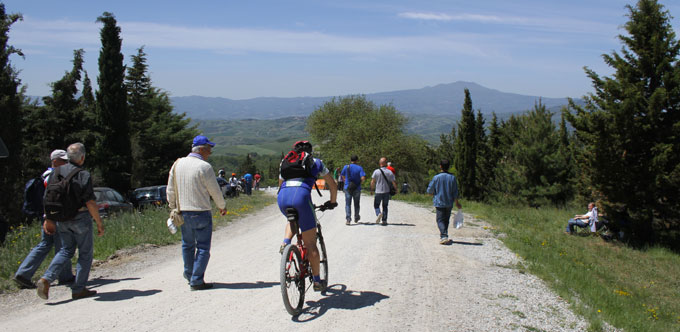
[123, 231]
[635, 290]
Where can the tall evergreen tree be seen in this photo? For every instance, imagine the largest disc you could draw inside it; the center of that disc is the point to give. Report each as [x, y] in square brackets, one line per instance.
[11, 178]
[62, 109]
[630, 128]
[114, 156]
[484, 170]
[465, 157]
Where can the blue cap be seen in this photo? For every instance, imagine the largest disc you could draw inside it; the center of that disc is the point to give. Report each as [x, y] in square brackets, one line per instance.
[202, 140]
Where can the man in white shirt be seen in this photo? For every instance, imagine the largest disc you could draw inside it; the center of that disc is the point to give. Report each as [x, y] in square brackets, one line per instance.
[192, 179]
[582, 220]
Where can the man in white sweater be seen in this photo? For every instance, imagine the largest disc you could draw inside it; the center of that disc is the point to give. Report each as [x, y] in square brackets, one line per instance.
[192, 179]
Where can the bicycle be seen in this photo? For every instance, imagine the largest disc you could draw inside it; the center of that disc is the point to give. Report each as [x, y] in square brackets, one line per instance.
[295, 266]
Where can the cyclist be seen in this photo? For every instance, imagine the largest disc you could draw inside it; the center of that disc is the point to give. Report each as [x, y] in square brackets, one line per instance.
[296, 193]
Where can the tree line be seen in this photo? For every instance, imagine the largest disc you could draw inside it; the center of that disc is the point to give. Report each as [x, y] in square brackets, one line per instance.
[127, 125]
[621, 149]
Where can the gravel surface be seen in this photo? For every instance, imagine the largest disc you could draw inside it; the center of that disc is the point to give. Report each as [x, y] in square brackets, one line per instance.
[382, 278]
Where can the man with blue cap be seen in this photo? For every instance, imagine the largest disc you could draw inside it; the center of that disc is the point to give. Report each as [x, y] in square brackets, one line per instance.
[192, 182]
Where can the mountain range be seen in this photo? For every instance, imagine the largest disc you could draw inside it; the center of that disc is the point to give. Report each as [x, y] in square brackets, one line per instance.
[442, 99]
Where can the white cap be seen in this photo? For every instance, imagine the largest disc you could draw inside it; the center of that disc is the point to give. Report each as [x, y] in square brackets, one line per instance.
[58, 154]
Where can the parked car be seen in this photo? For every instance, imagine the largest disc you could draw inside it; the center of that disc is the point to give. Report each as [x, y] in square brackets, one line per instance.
[149, 196]
[111, 202]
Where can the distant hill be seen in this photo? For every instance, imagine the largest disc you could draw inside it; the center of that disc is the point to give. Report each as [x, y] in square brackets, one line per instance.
[442, 99]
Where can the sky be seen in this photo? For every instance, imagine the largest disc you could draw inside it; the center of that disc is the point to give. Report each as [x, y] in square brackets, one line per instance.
[317, 48]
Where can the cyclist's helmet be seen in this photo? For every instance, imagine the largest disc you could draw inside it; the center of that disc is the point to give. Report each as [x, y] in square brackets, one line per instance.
[233, 174]
[303, 146]
[221, 172]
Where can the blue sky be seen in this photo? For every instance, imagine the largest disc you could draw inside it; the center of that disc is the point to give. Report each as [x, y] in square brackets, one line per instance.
[247, 49]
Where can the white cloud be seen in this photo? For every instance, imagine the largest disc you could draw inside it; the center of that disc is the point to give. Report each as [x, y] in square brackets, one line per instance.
[36, 33]
[558, 24]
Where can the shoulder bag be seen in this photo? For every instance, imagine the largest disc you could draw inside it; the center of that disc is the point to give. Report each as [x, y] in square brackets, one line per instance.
[393, 191]
[176, 213]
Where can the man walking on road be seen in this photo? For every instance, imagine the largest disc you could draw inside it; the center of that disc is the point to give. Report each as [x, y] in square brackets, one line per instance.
[31, 263]
[380, 183]
[353, 175]
[444, 188]
[193, 180]
[75, 231]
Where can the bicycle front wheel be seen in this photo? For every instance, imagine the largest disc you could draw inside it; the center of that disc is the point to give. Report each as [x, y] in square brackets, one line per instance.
[292, 281]
[323, 267]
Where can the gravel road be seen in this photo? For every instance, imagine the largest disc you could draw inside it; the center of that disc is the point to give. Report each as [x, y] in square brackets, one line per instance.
[382, 278]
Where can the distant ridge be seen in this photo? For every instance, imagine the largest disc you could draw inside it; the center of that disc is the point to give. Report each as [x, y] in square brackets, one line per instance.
[442, 99]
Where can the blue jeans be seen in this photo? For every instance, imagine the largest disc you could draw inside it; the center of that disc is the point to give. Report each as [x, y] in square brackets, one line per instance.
[75, 233]
[575, 222]
[443, 217]
[196, 237]
[249, 188]
[37, 255]
[348, 204]
[385, 199]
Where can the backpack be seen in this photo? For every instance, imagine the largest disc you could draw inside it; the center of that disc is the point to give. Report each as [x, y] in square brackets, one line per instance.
[33, 198]
[297, 164]
[60, 203]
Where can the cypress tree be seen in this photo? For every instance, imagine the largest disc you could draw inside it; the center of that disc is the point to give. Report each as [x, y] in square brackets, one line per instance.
[465, 157]
[113, 150]
[631, 132]
[11, 179]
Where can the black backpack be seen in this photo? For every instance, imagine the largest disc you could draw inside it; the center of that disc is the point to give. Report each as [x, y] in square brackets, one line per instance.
[33, 198]
[297, 164]
[60, 201]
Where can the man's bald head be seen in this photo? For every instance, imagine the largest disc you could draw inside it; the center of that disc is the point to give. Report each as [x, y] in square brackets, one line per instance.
[383, 162]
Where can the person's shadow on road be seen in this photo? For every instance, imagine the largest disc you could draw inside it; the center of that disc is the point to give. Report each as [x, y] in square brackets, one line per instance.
[338, 297]
[245, 285]
[120, 295]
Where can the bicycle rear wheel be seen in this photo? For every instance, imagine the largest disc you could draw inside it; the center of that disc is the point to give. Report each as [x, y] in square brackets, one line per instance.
[292, 282]
[323, 267]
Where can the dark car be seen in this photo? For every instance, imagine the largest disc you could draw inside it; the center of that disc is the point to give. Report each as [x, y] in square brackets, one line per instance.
[111, 202]
[149, 196]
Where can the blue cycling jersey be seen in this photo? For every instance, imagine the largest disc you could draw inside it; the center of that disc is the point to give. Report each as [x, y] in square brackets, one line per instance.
[296, 193]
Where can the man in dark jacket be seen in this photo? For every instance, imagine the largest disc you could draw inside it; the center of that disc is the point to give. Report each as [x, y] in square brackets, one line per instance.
[76, 231]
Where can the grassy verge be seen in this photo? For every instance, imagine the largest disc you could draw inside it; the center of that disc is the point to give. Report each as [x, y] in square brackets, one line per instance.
[123, 231]
[603, 281]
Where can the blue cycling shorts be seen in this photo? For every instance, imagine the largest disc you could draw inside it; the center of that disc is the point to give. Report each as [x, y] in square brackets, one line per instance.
[299, 198]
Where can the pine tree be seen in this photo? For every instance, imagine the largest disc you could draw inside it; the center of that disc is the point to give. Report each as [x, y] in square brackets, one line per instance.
[62, 109]
[631, 132]
[113, 150]
[11, 179]
[465, 157]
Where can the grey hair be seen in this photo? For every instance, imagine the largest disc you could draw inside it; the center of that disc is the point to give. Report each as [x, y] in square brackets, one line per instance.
[197, 148]
[75, 152]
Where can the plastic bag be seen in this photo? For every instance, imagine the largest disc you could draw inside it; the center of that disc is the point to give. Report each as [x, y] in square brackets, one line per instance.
[458, 219]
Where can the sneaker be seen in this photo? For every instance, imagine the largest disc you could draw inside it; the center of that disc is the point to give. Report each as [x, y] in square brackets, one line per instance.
[377, 220]
[43, 288]
[202, 286]
[83, 294]
[384, 222]
[319, 286]
[444, 240]
[23, 283]
[356, 219]
[348, 222]
[283, 246]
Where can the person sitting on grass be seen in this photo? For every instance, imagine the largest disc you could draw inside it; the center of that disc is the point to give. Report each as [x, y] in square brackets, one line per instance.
[582, 220]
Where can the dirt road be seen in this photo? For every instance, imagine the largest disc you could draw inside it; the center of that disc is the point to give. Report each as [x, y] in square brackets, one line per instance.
[382, 278]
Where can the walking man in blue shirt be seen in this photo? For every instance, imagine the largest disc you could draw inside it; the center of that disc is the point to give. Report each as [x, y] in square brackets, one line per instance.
[353, 175]
[444, 188]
